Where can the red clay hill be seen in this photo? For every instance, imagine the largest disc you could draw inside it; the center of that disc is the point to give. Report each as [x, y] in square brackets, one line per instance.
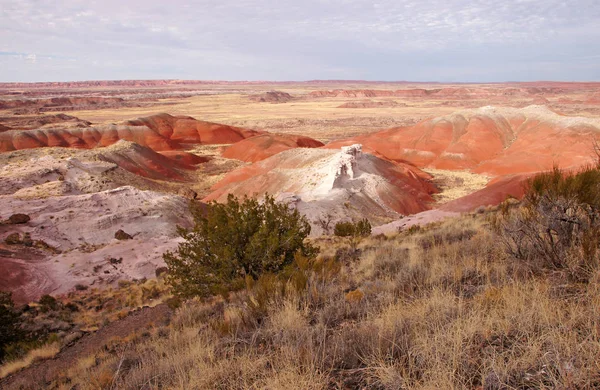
[161, 132]
[489, 140]
[266, 145]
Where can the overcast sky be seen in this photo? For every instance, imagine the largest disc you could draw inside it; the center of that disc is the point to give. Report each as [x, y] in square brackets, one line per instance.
[416, 40]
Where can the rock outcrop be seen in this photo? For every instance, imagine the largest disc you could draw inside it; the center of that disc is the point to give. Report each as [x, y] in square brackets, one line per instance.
[82, 227]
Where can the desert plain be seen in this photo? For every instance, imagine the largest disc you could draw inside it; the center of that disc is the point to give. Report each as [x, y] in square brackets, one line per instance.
[84, 160]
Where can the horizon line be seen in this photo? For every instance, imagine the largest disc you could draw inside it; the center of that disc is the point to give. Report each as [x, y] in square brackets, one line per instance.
[209, 81]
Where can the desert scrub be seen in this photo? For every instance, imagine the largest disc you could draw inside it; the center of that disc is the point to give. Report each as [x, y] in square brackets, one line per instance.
[360, 228]
[557, 226]
[234, 241]
[10, 331]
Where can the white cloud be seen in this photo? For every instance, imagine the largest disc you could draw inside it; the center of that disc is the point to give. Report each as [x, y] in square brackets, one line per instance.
[288, 39]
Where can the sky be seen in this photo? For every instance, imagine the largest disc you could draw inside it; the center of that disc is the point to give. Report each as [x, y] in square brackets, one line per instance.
[281, 40]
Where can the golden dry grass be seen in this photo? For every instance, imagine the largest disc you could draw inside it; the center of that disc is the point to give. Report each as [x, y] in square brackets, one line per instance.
[319, 118]
[45, 352]
[102, 306]
[443, 307]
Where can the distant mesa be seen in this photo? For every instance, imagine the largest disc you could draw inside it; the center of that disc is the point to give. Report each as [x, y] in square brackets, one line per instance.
[372, 104]
[444, 93]
[162, 132]
[266, 145]
[22, 122]
[62, 104]
[454, 93]
[539, 101]
[489, 140]
[356, 93]
[272, 97]
[594, 98]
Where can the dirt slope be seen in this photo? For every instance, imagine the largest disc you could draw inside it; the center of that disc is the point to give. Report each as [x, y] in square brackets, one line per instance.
[266, 145]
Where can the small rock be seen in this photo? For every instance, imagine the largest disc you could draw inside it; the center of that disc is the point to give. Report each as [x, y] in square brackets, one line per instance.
[113, 260]
[121, 235]
[27, 241]
[13, 239]
[18, 219]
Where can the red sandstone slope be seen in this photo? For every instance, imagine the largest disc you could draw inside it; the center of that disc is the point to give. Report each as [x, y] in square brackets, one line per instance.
[160, 132]
[145, 162]
[266, 145]
[185, 129]
[494, 141]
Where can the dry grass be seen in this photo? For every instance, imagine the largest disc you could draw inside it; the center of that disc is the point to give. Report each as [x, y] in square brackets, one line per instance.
[456, 184]
[45, 352]
[101, 306]
[443, 307]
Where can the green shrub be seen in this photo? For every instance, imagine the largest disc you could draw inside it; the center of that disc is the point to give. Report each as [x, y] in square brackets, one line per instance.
[48, 303]
[233, 241]
[9, 323]
[361, 228]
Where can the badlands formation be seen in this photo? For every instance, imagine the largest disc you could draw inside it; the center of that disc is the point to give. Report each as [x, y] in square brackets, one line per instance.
[103, 193]
[334, 185]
